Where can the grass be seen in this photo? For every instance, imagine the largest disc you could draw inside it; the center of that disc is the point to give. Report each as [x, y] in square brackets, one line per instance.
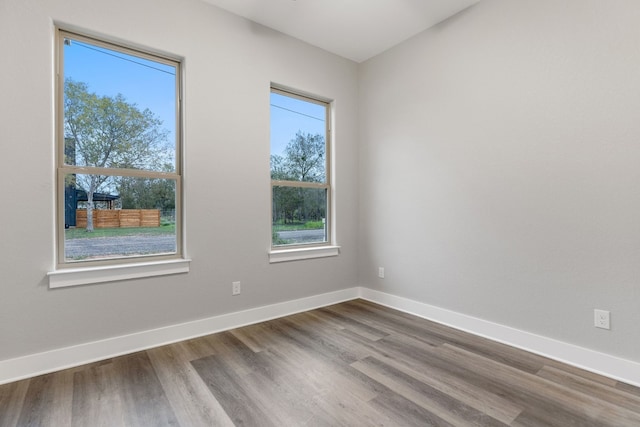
[81, 233]
[309, 225]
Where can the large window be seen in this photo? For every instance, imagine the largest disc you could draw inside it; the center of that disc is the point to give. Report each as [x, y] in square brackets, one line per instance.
[300, 172]
[118, 153]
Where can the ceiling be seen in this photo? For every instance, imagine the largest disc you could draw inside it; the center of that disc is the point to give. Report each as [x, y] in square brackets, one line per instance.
[354, 29]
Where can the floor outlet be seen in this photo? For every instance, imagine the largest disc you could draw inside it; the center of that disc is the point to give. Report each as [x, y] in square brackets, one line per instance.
[235, 288]
[602, 319]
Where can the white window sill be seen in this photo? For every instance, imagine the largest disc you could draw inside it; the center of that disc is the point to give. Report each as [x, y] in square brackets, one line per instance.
[283, 255]
[111, 273]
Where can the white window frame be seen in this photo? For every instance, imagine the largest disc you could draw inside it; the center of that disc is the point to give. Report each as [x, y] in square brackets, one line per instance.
[328, 248]
[121, 268]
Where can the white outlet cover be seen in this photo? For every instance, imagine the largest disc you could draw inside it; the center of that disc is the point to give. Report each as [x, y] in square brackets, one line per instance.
[602, 319]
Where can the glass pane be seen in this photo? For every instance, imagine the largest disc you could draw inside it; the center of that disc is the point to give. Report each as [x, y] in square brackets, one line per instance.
[299, 215]
[119, 109]
[298, 139]
[130, 217]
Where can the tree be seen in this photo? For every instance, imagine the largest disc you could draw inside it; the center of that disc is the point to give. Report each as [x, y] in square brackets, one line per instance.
[147, 193]
[304, 160]
[279, 168]
[109, 132]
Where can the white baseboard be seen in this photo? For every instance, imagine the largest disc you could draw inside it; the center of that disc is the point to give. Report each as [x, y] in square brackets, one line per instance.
[50, 361]
[68, 357]
[600, 363]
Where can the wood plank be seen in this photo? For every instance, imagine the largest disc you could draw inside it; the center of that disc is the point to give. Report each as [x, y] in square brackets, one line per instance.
[394, 322]
[248, 376]
[333, 343]
[327, 393]
[354, 325]
[326, 352]
[197, 348]
[237, 398]
[192, 402]
[406, 413]
[61, 412]
[593, 388]
[437, 333]
[12, 398]
[628, 388]
[104, 218]
[479, 398]
[350, 364]
[422, 394]
[143, 398]
[327, 388]
[48, 401]
[313, 341]
[149, 218]
[560, 402]
[250, 336]
[96, 397]
[591, 376]
[37, 402]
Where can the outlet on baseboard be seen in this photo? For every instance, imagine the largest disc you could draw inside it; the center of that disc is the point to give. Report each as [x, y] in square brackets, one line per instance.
[602, 319]
[235, 288]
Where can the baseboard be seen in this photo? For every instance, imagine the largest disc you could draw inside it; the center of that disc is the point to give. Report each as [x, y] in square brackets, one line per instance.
[600, 363]
[68, 357]
[50, 361]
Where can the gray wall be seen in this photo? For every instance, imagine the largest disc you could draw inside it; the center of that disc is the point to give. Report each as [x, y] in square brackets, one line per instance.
[229, 64]
[499, 172]
[494, 170]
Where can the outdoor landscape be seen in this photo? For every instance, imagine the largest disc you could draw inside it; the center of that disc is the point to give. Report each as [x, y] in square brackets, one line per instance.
[121, 158]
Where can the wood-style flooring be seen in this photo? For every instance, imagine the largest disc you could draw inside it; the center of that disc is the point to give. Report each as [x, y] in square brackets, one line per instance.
[350, 364]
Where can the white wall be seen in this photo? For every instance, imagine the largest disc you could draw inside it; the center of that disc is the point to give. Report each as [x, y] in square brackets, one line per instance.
[229, 64]
[499, 168]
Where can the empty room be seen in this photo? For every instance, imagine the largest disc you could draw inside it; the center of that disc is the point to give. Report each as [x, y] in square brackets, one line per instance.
[320, 212]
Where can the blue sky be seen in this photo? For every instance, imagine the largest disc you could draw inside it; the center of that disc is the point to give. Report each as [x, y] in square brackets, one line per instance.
[151, 85]
[289, 115]
[148, 84]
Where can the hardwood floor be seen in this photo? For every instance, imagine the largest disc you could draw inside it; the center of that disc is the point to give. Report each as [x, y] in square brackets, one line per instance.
[351, 364]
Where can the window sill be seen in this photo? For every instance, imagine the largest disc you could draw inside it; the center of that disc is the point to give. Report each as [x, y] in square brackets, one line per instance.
[283, 255]
[90, 275]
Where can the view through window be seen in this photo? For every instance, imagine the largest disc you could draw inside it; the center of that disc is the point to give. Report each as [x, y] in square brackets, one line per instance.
[300, 181]
[118, 152]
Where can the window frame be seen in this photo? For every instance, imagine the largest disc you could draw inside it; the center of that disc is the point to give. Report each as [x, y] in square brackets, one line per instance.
[139, 265]
[291, 252]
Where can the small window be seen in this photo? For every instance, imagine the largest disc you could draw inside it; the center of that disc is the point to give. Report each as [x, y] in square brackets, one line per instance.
[300, 171]
[118, 153]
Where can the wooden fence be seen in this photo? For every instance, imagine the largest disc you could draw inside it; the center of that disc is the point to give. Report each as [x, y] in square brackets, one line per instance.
[109, 218]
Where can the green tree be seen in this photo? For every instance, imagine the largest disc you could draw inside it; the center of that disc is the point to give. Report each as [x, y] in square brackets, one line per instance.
[304, 160]
[147, 193]
[109, 132]
[279, 168]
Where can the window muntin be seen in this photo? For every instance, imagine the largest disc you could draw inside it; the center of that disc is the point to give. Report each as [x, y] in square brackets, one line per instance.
[300, 171]
[118, 151]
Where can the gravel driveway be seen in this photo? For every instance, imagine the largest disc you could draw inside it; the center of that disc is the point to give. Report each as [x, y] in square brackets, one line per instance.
[113, 246]
[302, 236]
[140, 245]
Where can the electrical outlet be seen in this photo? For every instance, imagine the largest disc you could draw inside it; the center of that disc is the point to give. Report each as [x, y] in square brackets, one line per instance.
[602, 319]
[381, 272]
[235, 288]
